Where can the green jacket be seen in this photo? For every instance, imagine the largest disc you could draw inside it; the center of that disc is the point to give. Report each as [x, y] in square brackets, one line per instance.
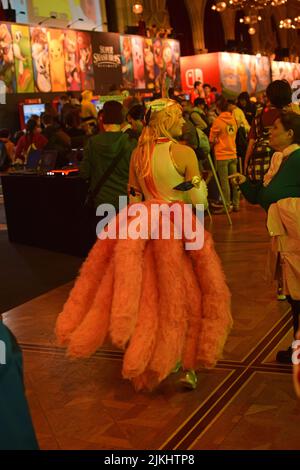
[98, 155]
[16, 430]
[286, 183]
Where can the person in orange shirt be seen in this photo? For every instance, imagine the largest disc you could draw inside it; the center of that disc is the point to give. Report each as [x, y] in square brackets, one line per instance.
[222, 138]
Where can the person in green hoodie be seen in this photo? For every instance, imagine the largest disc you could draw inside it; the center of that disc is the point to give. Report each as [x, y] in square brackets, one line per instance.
[16, 430]
[282, 181]
[101, 150]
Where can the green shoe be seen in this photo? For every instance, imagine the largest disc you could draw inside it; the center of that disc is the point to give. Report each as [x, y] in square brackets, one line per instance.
[189, 380]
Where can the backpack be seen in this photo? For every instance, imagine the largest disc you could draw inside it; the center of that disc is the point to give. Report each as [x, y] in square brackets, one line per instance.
[260, 159]
[4, 157]
[241, 142]
[204, 119]
[203, 148]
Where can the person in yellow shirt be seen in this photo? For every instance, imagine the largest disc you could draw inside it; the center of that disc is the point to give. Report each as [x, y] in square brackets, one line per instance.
[88, 109]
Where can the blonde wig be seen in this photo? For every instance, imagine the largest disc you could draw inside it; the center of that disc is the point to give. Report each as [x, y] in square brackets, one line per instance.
[162, 116]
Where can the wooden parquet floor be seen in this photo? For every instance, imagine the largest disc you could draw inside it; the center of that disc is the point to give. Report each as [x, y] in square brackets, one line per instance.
[246, 402]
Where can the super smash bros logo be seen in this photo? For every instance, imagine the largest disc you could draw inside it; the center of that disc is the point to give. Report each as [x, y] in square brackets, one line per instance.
[106, 57]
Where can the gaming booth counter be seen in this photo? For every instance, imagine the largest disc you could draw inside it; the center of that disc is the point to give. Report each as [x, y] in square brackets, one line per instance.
[48, 213]
[45, 207]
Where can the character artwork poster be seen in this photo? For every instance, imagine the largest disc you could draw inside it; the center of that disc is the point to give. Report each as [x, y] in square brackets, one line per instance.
[57, 59]
[7, 63]
[72, 66]
[86, 60]
[40, 59]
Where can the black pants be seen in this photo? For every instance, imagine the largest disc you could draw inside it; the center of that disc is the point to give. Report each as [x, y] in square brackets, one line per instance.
[295, 304]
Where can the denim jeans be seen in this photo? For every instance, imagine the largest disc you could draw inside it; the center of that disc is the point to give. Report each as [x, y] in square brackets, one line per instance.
[226, 168]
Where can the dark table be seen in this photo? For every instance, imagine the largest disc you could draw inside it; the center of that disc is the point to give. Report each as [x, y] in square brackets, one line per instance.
[48, 212]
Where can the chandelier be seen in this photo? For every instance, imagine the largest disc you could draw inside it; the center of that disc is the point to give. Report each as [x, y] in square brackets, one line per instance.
[289, 23]
[137, 7]
[241, 4]
[253, 6]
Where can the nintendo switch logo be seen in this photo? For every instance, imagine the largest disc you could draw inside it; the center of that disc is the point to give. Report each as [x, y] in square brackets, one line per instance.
[192, 76]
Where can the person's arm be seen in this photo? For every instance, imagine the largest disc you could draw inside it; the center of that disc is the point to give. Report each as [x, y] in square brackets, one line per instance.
[198, 195]
[252, 139]
[249, 151]
[245, 122]
[214, 133]
[186, 160]
[250, 190]
[134, 189]
[241, 119]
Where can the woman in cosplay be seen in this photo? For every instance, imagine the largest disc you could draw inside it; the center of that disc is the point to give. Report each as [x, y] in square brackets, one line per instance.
[161, 303]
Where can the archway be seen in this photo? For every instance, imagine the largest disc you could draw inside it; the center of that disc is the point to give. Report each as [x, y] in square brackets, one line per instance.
[243, 38]
[213, 29]
[180, 22]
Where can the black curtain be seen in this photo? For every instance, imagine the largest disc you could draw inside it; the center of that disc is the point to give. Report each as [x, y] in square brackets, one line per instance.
[243, 39]
[180, 22]
[111, 13]
[213, 29]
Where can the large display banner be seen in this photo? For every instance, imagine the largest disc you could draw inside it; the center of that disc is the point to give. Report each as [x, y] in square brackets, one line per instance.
[106, 61]
[150, 63]
[171, 56]
[86, 60]
[242, 72]
[138, 62]
[57, 59]
[23, 59]
[285, 71]
[40, 58]
[127, 61]
[203, 68]
[7, 62]
[230, 73]
[72, 65]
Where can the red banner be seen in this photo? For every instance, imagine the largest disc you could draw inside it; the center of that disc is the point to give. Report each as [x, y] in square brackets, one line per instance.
[203, 68]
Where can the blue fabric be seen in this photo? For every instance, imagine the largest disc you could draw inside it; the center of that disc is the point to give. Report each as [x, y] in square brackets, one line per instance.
[16, 430]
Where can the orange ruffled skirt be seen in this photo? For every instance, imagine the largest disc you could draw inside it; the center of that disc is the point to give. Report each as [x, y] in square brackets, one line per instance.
[153, 299]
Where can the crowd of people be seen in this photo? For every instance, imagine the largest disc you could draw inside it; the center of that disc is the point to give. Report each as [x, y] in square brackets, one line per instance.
[236, 137]
[164, 306]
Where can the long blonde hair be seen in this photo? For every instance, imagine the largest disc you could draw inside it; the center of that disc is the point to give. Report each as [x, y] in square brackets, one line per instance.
[164, 114]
